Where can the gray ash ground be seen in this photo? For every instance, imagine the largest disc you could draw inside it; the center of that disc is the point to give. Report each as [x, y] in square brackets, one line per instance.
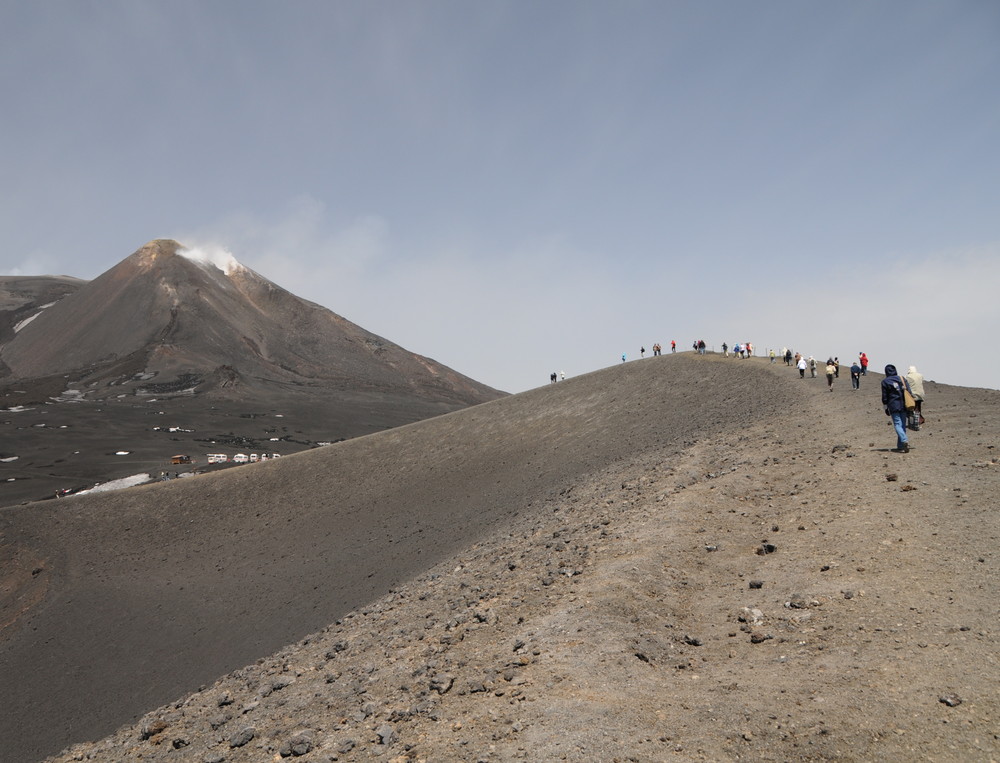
[55, 443]
[771, 584]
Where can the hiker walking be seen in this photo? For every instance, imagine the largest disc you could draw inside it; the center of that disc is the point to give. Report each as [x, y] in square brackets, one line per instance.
[802, 367]
[812, 367]
[830, 370]
[916, 380]
[895, 406]
[864, 363]
[855, 376]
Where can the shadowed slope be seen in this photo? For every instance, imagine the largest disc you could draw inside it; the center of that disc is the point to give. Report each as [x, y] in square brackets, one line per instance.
[23, 298]
[156, 590]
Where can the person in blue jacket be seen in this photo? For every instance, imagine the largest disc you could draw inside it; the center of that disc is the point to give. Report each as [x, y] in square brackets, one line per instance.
[855, 376]
[895, 406]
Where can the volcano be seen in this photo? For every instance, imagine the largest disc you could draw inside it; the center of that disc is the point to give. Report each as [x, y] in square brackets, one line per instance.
[227, 356]
[169, 319]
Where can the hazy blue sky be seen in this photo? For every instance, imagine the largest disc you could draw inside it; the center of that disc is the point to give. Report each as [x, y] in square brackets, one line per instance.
[516, 188]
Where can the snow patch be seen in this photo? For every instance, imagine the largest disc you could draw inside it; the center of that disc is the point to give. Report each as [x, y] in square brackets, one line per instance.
[25, 322]
[124, 482]
[30, 318]
[8, 459]
[216, 256]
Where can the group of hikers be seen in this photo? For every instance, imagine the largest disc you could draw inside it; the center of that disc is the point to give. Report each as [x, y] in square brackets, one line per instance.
[902, 396]
[657, 350]
[744, 350]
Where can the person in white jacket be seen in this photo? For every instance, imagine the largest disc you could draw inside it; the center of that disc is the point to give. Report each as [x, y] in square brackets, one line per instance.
[916, 380]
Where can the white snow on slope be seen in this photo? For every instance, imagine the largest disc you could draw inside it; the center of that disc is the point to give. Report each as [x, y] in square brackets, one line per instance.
[124, 482]
[30, 318]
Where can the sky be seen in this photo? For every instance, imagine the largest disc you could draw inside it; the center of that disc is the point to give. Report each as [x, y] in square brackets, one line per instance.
[514, 188]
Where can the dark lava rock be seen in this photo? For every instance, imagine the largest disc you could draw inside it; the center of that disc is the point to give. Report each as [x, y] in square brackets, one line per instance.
[299, 744]
[242, 737]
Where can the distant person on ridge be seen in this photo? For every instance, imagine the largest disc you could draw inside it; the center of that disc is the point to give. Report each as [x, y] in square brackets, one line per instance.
[552, 378]
[895, 406]
[864, 363]
[855, 376]
[673, 345]
[916, 380]
[812, 367]
[830, 371]
[642, 352]
[802, 367]
[773, 354]
[623, 357]
[788, 357]
[725, 350]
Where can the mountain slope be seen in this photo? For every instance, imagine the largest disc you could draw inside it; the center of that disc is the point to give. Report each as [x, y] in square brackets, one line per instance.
[23, 298]
[189, 579]
[682, 557]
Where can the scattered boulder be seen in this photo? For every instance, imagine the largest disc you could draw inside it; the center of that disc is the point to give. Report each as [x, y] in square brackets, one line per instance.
[386, 734]
[298, 744]
[242, 737]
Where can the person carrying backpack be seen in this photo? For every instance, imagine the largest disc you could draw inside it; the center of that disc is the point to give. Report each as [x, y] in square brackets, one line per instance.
[894, 388]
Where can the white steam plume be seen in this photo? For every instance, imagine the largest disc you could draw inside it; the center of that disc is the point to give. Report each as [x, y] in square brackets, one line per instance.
[212, 254]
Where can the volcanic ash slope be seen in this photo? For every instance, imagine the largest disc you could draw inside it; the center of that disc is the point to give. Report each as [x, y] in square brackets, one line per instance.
[665, 559]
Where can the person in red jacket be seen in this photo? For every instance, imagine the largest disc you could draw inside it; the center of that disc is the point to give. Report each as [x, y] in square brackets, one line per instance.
[864, 364]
